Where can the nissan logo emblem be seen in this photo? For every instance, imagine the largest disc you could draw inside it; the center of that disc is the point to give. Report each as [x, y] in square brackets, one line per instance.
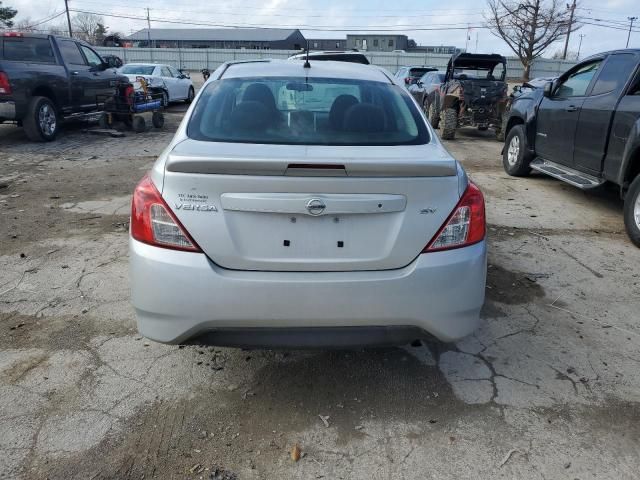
[315, 206]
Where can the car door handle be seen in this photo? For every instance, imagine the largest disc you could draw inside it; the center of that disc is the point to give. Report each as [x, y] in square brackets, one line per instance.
[571, 108]
[75, 72]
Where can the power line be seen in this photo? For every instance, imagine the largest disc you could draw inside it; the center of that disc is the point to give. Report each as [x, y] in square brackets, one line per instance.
[368, 28]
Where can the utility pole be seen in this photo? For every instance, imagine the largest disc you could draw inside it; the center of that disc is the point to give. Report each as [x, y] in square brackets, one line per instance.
[631, 20]
[571, 7]
[148, 29]
[66, 7]
[466, 42]
[582, 35]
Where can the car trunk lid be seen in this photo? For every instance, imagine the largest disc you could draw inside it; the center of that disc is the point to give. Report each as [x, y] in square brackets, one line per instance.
[310, 208]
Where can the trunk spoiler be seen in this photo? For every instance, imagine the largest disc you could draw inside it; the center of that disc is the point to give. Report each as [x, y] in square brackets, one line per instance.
[356, 167]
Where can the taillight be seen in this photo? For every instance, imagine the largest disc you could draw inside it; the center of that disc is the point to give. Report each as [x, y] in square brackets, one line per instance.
[5, 86]
[153, 222]
[465, 226]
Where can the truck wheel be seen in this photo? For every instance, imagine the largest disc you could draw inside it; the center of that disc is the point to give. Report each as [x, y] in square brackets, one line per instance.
[41, 122]
[632, 211]
[500, 129]
[138, 124]
[450, 124]
[516, 157]
[157, 119]
[434, 116]
[103, 121]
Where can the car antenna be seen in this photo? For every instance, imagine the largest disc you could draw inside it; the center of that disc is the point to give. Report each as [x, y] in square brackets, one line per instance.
[306, 61]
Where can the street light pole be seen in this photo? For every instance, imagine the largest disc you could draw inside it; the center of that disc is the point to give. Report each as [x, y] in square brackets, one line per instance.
[582, 35]
[631, 20]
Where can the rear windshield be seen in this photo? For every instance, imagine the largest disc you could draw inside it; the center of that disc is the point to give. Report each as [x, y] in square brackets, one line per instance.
[137, 70]
[419, 72]
[306, 111]
[25, 49]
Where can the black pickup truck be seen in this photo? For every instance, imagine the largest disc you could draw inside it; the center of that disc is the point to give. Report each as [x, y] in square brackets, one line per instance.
[45, 79]
[583, 128]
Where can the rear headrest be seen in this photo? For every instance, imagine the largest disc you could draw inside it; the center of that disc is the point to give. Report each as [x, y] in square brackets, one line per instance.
[259, 92]
[338, 110]
[249, 116]
[364, 117]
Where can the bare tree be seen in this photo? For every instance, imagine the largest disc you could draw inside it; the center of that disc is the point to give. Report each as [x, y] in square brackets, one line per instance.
[87, 26]
[24, 25]
[529, 27]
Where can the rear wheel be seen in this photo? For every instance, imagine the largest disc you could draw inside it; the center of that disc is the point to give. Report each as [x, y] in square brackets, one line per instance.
[138, 124]
[191, 95]
[516, 156]
[41, 122]
[157, 119]
[632, 211]
[103, 120]
[449, 124]
[434, 115]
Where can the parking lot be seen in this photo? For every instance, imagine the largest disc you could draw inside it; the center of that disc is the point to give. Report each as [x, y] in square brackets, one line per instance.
[548, 387]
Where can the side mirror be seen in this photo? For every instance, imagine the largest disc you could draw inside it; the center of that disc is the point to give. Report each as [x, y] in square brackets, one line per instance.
[517, 89]
[547, 90]
[183, 74]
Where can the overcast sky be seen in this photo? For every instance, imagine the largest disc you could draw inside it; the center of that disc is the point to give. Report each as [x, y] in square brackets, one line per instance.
[316, 18]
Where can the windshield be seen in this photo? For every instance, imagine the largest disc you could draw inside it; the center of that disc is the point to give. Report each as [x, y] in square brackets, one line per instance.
[313, 111]
[419, 72]
[495, 72]
[137, 70]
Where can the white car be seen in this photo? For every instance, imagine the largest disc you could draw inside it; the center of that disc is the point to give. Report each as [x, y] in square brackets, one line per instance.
[173, 84]
[306, 207]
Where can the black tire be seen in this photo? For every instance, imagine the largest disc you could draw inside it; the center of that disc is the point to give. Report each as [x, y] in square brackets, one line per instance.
[501, 128]
[632, 211]
[103, 120]
[191, 95]
[138, 124]
[434, 115]
[165, 99]
[483, 128]
[41, 124]
[449, 124]
[157, 119]
[516, 156]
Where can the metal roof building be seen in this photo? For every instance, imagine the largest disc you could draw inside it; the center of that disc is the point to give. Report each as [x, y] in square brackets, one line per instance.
[247, 38]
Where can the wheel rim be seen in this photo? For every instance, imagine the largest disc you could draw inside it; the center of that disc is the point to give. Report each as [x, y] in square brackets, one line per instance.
[513, 151]
[47, 119]
[636, 212]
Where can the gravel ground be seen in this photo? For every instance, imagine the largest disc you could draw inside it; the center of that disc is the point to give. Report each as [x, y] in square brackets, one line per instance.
[548, 387]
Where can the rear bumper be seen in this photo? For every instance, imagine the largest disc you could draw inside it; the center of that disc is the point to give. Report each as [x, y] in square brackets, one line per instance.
[180, 296]
[7, 110]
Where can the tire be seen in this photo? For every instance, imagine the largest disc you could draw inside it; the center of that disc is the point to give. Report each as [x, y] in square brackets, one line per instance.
[483, 129]
[191, 95]
[157, 119]
[449, 124]
[103, 121]
[632, 211]
[138, 124]
[516, 156]
[41, 124]
[434, 116]
[165, 99]
[500, 129]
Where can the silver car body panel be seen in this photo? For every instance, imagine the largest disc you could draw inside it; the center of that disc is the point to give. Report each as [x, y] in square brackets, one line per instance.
[349, 265]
